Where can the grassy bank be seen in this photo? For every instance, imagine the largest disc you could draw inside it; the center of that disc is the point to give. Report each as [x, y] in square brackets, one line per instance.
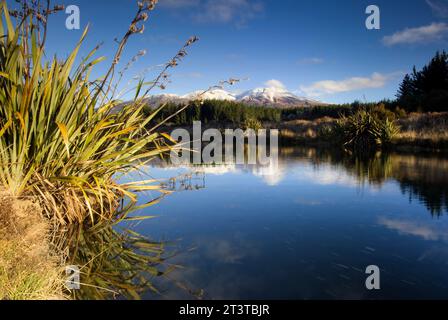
[426, 130]
[416, 130]
[29, 268]
[315, 125]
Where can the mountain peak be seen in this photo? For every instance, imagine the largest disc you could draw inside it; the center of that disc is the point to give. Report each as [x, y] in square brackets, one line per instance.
[276, 96]
[215, 94]
[269, 96]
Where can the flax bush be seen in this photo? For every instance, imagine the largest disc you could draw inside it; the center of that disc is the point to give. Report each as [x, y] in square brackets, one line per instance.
[64, 138]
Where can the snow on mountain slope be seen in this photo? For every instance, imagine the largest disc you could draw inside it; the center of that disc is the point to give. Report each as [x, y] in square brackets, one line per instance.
[215, 94]
[157, 100]
[271, 96]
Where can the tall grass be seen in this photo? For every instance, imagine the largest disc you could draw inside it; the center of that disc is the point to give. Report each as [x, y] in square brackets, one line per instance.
[61, 136]
[366, 130]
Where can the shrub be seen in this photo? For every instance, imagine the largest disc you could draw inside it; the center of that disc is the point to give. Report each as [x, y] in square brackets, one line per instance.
[366, 129]
[327, 132]
[252, 124]
[61, 136]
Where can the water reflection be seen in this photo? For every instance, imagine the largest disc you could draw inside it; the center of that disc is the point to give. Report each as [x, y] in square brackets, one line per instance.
[185, 182]
[424, 178]
[308, 227]
[115, 263]
[414, 228]
[304, 228]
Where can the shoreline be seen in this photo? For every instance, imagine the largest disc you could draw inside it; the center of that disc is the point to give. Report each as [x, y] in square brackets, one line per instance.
[419, 132]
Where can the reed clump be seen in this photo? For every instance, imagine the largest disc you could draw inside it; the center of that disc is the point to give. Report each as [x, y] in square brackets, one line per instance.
[65, 138]
[366, 129]
[251, 123]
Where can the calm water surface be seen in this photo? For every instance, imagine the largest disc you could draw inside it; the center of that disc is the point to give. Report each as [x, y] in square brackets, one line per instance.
[307, 229]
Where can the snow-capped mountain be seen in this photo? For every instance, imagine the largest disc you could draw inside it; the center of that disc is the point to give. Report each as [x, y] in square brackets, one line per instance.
[216, 94]
[272, 96]
[157, 100]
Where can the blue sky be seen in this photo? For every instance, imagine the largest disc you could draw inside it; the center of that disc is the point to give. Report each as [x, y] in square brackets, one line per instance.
[320, 49]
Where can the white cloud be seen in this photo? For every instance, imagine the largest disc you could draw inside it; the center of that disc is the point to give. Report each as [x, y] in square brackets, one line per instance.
[313, 60]
[324, 175]
[426, 232]
[325, 87]
[239, 11]
[275, 84]
[434, 31]
[224, 251]
[439, 7]
[272, 174]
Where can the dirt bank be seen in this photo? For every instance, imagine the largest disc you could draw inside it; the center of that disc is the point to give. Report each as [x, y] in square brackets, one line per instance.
[28, 269]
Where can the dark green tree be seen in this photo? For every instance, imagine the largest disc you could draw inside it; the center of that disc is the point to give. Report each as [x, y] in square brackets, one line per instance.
[427, 89]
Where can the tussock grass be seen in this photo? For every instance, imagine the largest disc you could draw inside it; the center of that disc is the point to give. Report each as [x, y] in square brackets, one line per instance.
[424, 129]
[365, 130]
[65, 140]
[306, 130]
[427, 130]
[62, 139]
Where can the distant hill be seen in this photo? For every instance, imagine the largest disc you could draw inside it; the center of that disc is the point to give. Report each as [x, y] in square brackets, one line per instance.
[272, 97]
[275, 97]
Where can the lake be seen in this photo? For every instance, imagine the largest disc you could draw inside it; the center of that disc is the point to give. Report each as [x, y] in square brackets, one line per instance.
[306, 229]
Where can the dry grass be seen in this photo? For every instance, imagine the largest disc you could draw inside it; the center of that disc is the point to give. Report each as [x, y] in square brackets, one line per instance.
[428, 130]
[28, 271]
[305, 129]
[424, 129]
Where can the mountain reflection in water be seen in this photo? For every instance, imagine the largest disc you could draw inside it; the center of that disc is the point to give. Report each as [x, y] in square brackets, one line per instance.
[306, 228]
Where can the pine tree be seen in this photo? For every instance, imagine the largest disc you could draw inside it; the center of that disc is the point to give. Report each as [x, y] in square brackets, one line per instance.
[406, 92]
[426, 90]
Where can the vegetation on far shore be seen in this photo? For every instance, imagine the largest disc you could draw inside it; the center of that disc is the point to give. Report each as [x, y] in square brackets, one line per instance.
[417, 130]
[416, 117]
